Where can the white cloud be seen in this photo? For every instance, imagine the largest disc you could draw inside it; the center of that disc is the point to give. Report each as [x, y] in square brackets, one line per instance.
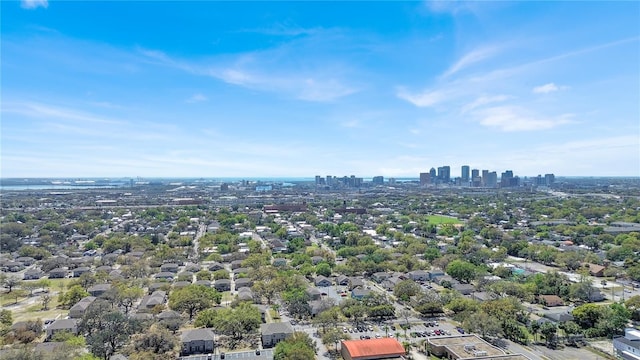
[485, 100]
[427, 98]
[34, 4]
[197, 98]
[512, 119]
[470, 59]
[545, 89]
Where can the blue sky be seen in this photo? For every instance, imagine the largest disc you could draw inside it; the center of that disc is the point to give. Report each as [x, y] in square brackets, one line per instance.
[217, 89]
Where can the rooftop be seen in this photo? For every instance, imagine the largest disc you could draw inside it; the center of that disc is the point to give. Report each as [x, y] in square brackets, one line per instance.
[383, 347]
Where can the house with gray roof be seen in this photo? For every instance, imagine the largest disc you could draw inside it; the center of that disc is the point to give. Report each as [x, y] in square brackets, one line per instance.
[273, 333]
[197, 341]
[58, 273]
[33, 274]
[70, 325]
[222, 285]
[243, 282]
[78, 310]
[98, 289]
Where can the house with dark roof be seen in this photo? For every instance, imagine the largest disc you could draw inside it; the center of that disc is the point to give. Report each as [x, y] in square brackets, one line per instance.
[169, 267]
[215, 266]
[81, 270]
[98, 289]
[78, 310]
[355, 282]
[165, 275]
[33, 274]
[342, 280]
[273, 333]
[197, 341]
[58, 273]
[222, 285]
[418, 275]
[322, 281]
[243, 282]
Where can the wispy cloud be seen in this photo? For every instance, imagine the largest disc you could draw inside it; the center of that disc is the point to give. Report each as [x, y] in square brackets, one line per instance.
[547, 88]
[39, 110]
[512, 119]
[197, 98]
[471, 58]
[426, 98]
[485, 100]
[34, 4]
[273, 70]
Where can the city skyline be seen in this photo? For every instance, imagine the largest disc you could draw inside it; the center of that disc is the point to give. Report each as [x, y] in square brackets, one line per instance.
[298, 89]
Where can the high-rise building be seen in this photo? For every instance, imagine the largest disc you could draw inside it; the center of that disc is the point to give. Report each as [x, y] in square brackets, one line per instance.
[475, 173]
[549, 179]
[432, 175]
[485, 177]
[378, 180]
[425, 179]
[476, 180]
[444, 174]
[465, 173]
[505, 178]
[492, 179]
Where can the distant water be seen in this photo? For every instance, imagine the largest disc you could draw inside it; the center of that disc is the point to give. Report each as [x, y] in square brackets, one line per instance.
[52, 187]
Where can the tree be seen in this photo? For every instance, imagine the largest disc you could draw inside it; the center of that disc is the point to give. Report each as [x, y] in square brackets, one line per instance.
[633, 304]
[323, 269]
[203, 275]
[462, 270]
[405, 289]
[481, 322]
[298, 346]
[6, 317]
[11, 282]
[333, 336]
[549, 330]
[238, 322]
[71, 297]
[107, 330]
[157, 342]
[126, 296]
[45, 299]
[328, 318]
[193, 298]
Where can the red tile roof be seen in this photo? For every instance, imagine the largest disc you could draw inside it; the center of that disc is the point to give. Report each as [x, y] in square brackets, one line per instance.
[383, 347]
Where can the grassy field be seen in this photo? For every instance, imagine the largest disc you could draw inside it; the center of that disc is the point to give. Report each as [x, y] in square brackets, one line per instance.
[30, 308]
[440, 219]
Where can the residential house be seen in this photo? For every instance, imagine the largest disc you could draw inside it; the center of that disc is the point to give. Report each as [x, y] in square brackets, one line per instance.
[77, 311]
[26, 260]
[551, 300]
[169, 267]
[390, 283]
[279, 262]
[342, 280]
[206, 283]
[99, 289]
[245, 294]
[148, 302]
[359, 293]
[315, 260]
[236, 264]
[215, 266]
[464, 289]
[314, 294]
[81, 270]
[70, 325]
[322, 281]
[419, 275]
[222, 285]
[33, 274]
[273, 333]
[197, 341]
[58, 273]
[595, 270]
[168, 315]
[166, 275]
[379, 277]
[355, 282]
[243, 282]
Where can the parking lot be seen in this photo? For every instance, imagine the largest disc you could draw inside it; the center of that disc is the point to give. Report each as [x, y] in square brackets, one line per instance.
[265, 354]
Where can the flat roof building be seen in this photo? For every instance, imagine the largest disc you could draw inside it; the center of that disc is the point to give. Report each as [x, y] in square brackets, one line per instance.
[463, 347]
[383, 348]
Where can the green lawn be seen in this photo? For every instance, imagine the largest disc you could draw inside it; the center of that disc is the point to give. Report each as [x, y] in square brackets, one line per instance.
[440, 219]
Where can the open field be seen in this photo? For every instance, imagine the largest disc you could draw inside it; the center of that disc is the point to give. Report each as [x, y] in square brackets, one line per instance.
[30, 308]
[441, 219]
